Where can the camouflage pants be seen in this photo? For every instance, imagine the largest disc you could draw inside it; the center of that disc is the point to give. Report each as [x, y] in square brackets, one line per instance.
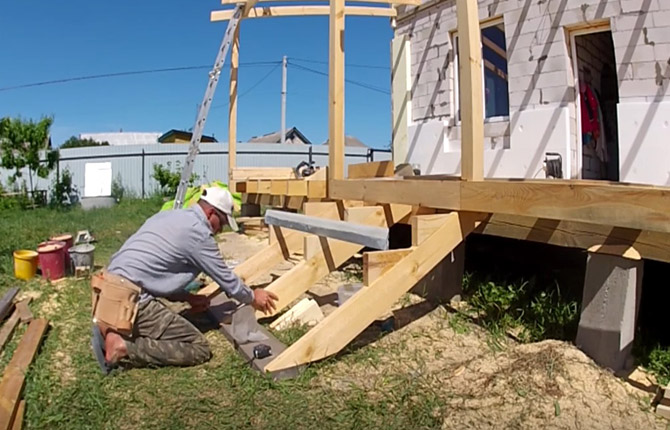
[162, 337]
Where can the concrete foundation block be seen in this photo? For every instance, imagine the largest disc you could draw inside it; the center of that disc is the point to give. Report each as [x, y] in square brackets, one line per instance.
[611, 297]
[445, 281]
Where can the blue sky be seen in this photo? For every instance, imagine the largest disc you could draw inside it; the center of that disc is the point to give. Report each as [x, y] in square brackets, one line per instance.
[43, 41]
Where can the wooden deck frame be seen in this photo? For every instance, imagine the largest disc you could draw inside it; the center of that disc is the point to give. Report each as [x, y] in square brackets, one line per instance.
[627, 206]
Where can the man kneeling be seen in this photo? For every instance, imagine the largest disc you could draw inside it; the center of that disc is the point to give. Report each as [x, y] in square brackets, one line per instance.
[160, 260]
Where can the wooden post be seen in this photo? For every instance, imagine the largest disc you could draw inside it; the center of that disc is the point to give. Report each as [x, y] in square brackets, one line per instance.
[336, 92]
[232, 106]
[472, 103]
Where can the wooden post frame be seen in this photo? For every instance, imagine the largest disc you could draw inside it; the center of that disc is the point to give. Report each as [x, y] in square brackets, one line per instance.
[472, 104]
[336, 91]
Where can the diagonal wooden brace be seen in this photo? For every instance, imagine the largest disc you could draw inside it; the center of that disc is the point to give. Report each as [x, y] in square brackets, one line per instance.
[345, 323]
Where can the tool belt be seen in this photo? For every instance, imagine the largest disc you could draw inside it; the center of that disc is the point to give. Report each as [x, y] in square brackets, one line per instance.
[115, 301]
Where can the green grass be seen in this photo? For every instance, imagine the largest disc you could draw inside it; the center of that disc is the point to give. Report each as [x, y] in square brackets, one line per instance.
[65, 390]
[532, 311]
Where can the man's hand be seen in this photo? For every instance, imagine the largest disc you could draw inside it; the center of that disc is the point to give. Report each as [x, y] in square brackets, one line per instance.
[198, 303]
[264, 301]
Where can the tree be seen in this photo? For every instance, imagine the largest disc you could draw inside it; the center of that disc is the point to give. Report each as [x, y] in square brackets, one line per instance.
[75, 142]
[22, 144]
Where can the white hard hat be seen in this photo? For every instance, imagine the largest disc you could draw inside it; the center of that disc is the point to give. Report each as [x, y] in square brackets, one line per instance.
[221, 199]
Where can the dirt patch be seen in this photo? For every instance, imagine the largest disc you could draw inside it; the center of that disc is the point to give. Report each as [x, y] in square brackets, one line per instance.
[485, 384]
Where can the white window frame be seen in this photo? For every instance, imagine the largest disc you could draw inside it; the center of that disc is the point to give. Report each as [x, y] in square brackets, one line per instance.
[457, 88]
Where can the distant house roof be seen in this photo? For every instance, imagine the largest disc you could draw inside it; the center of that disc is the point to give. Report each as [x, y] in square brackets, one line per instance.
[123, 138]
[351, 141]
[174, 134]
[293, 136]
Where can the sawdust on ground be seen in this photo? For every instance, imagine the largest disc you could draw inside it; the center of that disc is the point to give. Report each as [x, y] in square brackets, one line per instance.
[483, 382]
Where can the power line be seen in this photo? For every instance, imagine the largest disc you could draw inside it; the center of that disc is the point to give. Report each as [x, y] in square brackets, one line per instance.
[128, 73]
[363, 66]
[360, 84]
[260, 81]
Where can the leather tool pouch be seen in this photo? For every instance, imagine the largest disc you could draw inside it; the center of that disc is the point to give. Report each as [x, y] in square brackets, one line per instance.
[115, 301]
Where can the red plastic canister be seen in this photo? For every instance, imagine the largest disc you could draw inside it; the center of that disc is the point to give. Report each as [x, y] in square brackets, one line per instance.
[52, 260]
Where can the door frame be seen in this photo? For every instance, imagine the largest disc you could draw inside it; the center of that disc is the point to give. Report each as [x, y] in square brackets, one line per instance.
[573, 33]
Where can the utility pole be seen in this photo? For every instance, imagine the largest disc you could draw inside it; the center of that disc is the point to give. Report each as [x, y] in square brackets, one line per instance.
[283, 100]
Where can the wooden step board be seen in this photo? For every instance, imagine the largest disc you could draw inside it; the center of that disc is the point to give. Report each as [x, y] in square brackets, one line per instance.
[339, 328]
[365, 235]
[221, 310]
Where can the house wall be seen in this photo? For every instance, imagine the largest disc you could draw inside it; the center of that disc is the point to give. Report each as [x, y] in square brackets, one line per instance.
[542, 108]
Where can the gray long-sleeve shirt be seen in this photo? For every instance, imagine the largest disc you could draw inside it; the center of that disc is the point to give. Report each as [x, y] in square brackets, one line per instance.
[170, 250]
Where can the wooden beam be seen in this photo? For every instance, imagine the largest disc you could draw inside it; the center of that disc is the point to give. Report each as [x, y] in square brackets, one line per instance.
[336, 91]
[395, 2]
[494, 47]
[8, 329]
[15, 373]
[255, 173]
[377, 169]
[470, 74]
[347, 321]
[332, 255]
[232, 104]
[283, 11]
[365, 235]
[7, 302]
[650, 245]
[629, 206]
[25, 315]
[376, 263]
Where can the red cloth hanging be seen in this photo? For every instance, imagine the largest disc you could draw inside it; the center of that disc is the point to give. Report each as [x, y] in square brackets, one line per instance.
[590, 122]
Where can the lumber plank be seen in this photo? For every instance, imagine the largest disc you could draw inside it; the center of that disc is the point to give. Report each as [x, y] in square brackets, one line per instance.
[280, 11]
[7, 302]
[425, 225]
[376, 169]
[333, 253]
[297, 187]
[619, 205]
[336, 89]
[307, 311]
[317, 189]
[8, 329]
[347, 321]
[14, 375]
[23, 309]
[472, 107]
[248, 173]
[18, 418]
[373, 237]
[376, 263]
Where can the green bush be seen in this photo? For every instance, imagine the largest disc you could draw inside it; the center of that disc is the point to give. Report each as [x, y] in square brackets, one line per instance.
[61, 189]
[168, 179]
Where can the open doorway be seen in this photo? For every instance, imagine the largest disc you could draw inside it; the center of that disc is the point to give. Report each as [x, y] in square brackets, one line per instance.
[598, 95]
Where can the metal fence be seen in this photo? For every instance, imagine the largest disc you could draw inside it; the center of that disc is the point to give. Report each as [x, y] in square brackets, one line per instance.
[132, 165]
